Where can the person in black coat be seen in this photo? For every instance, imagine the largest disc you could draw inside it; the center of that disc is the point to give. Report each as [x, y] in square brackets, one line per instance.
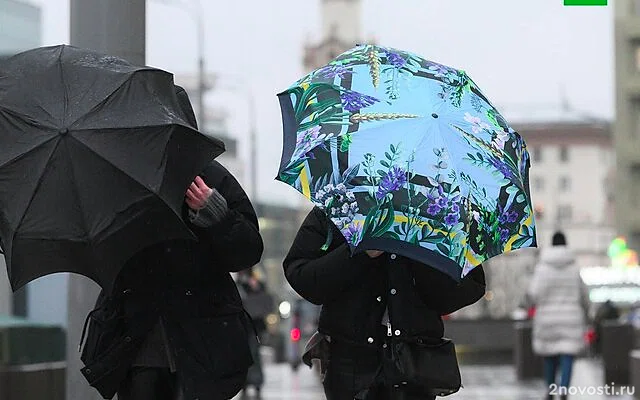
[174, 326]
[367, 298]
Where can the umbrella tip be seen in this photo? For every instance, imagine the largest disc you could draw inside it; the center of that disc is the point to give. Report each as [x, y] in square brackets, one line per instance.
[63, 131]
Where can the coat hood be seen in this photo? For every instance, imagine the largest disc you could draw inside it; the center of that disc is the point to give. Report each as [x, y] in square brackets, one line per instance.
[557, 256]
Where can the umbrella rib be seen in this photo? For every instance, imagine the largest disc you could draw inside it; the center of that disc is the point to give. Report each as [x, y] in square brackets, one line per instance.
[35, 190]
[76, 192]
[99, 104]
[64, 91]
[26, 153]
[126, 174]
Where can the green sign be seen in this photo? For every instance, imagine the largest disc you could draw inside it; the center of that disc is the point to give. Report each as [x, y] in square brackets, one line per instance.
[585, 2]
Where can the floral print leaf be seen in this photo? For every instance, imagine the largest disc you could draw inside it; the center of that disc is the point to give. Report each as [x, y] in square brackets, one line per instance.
[386, 222]
[350, 173]
[290, 175]
[346, 142]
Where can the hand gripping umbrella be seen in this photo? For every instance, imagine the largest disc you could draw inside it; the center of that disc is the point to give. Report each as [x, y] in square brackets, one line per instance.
[95, 159]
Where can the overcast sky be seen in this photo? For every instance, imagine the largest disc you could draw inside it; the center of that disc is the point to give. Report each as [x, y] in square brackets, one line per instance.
[523, 54]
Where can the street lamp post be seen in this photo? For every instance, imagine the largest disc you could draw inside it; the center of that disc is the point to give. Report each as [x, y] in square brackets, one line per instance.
[243, 88]
[201, 79]
[253, 145]
[195, 9]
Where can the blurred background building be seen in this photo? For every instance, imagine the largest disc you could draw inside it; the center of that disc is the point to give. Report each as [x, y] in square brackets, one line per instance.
[571, 187]
[341, 30]
[20, 26]
[21, 29]
[585, 171]
[627, 127]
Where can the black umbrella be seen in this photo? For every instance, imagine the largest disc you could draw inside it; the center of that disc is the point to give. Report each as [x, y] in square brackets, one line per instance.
[95, 159]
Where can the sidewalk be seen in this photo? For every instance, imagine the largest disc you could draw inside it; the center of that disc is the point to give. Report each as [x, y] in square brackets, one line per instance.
[481, 382]
[499, 383]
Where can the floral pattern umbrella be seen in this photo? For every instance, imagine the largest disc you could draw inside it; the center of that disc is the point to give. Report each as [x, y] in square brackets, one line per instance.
[408, 155]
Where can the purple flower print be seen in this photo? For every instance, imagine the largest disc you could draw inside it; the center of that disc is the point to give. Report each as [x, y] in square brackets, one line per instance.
[331, 71]
[306, 141]
[502, 167]
[353, 101]
[451, 219]
[395, 59]
[433, 209]
[391, 182]
[352, 234]
[442, 202]
[504, 235]
[440, 70]
[508, 217]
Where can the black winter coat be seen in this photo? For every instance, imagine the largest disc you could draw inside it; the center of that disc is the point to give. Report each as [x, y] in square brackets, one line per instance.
[187, 286]
[355, 290]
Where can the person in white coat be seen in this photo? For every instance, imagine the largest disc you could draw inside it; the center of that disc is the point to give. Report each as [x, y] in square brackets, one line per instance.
[560, 319]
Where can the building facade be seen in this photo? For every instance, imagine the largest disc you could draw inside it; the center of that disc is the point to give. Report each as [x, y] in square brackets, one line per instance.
[627, 128]
[571, 181]
[341, 30]
[20, 27]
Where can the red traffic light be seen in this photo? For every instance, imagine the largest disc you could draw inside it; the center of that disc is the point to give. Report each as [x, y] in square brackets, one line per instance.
[295, 334]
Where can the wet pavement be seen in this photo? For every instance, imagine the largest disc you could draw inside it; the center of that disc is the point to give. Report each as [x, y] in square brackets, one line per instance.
[486, 382]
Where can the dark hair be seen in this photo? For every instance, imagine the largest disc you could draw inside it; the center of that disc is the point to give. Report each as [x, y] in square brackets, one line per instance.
[185, 105]
[559, 239]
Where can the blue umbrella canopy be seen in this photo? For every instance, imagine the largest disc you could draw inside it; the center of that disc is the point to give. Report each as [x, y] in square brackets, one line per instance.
[408, 155]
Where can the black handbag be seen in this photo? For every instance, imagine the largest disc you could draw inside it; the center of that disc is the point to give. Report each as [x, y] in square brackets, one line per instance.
[424, 365]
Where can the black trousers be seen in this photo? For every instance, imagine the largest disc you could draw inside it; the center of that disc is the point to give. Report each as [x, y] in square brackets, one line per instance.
[149, 383]
[352, 372]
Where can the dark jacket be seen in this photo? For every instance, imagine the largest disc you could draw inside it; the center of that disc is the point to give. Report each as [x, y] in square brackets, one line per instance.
[355, 290]
[187, 286]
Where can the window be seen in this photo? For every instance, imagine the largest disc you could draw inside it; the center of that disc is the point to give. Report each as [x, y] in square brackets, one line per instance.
[564, 184]
[564, 153]
[538, 183]
[536, 154]
[564, 213]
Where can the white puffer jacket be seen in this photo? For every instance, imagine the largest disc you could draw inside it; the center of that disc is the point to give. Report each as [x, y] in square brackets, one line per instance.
[560, 298]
